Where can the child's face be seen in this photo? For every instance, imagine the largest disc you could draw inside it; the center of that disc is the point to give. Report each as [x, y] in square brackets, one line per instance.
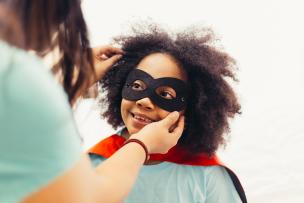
[137, 114]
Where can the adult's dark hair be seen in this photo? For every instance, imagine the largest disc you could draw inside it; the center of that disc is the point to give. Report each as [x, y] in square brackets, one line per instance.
[38, 21]
[212, 100]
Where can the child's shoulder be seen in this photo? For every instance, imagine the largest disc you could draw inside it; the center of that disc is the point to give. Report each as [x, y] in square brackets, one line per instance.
[205, 170]
[188, 169]
[211, 174]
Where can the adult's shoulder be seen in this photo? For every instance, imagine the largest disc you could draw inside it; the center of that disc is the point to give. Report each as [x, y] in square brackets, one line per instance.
[27, 83]
[39, 139]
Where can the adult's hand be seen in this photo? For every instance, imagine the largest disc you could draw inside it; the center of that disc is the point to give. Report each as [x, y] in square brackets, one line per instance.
[161, 136]
[104, 58]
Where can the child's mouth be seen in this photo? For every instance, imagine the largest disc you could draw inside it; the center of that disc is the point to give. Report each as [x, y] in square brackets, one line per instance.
[141, 119]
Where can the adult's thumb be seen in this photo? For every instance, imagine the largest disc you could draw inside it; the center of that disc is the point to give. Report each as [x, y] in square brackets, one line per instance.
[112, 60]
[171, 119]
[104, 65]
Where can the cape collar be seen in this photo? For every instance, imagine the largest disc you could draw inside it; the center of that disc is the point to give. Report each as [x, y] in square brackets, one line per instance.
[177, 154]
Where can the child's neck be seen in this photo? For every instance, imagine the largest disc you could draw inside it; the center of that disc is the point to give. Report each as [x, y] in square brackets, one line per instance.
[125, 134]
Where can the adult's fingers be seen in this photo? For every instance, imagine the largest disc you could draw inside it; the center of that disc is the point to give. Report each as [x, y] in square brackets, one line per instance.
[170, 119]
[107, 50]
[178, 130]
[111, 61]
[102, 66]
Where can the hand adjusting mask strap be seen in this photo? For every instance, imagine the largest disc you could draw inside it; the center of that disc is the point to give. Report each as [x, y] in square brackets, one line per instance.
[173, 104]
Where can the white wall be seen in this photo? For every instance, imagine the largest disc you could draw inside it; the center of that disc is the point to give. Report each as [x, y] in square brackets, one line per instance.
[266, 38]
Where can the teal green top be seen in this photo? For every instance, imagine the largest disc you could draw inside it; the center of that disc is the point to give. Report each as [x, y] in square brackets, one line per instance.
[174, 183]
[38, 137]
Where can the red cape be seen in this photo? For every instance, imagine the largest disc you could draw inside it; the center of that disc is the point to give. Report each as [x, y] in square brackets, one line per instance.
[110, 145]
[176, 154]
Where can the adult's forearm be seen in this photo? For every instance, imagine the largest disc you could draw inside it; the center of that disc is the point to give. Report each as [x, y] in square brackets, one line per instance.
[119, 172]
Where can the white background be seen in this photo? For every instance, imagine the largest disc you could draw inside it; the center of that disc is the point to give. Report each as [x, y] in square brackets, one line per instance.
[267, 40]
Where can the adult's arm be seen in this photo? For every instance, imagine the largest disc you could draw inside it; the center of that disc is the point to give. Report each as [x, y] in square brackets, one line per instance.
[113, 179]
[40, 152]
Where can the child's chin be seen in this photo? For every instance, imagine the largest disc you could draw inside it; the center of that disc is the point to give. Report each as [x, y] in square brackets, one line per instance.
[133, 131]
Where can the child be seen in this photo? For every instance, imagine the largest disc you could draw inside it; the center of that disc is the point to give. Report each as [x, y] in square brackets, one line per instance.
[159, 74]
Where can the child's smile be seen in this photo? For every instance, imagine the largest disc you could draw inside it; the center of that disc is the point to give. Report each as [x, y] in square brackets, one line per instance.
[137, 114]
[141, 119]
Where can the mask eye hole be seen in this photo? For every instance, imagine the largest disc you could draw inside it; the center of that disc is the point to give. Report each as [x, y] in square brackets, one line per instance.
[166, 92]
[138, 85]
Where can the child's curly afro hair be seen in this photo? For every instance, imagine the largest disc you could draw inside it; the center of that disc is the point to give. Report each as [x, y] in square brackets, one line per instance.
[212, 100]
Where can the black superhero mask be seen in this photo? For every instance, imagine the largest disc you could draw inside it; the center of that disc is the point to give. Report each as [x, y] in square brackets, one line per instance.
[150, 90]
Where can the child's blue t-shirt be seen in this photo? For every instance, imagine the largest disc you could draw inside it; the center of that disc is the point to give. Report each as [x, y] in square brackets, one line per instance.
[38, 138]
[174, 183]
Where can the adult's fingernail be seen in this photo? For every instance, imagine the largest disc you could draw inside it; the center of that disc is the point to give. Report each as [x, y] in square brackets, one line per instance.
[175, 113]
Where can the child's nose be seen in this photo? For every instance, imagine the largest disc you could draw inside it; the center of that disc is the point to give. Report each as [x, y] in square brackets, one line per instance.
[145, 103]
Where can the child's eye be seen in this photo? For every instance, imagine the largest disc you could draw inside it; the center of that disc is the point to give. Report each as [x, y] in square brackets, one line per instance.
[138, 85]
[166, 95]
[166, 92]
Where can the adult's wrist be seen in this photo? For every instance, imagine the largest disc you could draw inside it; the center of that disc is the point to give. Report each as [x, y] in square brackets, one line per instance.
[140, 143]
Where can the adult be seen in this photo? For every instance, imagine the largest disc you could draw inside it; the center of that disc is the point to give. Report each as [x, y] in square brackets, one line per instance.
[40, 152]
